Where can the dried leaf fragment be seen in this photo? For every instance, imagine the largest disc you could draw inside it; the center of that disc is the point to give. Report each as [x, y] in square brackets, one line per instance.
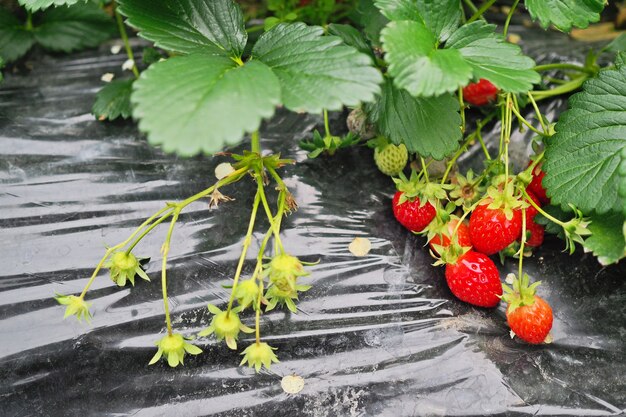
[360, 246]
[292, 384]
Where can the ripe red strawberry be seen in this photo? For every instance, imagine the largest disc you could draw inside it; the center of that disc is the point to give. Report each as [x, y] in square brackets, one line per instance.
[480, 93]
[491, 230]
[536, 186]
[411, 213]
[443, 238]
[536, 231]
[528, 315]
[475, 279]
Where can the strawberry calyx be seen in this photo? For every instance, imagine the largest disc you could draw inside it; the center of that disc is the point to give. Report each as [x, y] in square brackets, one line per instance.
[409, 187]
[575, 229]
[439, 225]
[466, 189]
[417, 187]
[503, 200]
[522, 293]
[449, 255]
[379, 142]
[254, 161]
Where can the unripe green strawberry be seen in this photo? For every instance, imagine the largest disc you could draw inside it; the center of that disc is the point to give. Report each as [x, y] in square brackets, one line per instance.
[391, 159]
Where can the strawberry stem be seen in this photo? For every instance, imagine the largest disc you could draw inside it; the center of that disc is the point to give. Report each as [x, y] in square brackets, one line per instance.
[540, 210]
[522, 242]
[255, 142]
[268, 212]
[424, 169]
[566, 88]
[527, 123]
[244, 251]
[124, 36]
[148, 230]
[165, 250]
[480, 11]
[470, 138]
[468, 211]
[508, 18]
[462, 107]
[562, 66]
[538, 113]
[326, 124]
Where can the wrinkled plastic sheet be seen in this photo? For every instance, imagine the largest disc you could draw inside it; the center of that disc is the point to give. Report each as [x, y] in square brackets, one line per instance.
[375, 336]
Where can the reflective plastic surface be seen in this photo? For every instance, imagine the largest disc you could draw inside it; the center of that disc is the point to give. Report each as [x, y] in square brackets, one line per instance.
[375, 336]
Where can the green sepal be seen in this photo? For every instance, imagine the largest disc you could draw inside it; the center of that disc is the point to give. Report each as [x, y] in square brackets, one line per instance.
[504, 200]
[449, 255]
[226, 326]
[328, 144]
[467, 190]
[174, 346]
[76, 306]
[575, 229]
[522, 293]
[257, 355]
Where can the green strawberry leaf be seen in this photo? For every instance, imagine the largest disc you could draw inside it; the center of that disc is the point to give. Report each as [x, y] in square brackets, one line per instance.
[34, 5]
[370, 19]
[564, 14]
[493, 58]
[188, 26]
[427, 126]
[616, 45]
[399, 9]
[213, 102]
[316, 72]
[73, 28]
[622, 180]
[607, 238]
[417, 65]
[620, 59]
[113, 100]
[440, 16]
[351, 37]
[1, 66]
[15, 40]
[150, 56]
[583, 158]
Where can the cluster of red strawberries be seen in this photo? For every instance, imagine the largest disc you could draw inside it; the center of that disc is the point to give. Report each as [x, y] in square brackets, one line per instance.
[495, 224]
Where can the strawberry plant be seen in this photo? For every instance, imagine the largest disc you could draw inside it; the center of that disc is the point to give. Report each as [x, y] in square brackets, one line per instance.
[413, 70]
[186, 104]
[71, 26]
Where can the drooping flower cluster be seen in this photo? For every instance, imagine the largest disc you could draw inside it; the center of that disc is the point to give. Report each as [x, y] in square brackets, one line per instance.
[283, 272]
